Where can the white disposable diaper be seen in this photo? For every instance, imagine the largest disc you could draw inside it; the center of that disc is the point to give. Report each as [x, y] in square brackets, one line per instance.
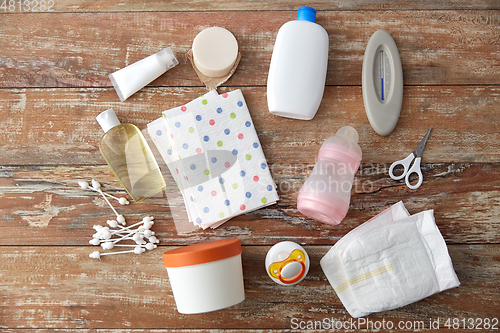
[389, 261]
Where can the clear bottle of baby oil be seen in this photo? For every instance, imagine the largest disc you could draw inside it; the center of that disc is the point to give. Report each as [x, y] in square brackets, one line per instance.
[125, 150]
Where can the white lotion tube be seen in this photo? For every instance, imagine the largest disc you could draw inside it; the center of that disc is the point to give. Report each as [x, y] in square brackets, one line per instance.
[297, 73]
[127, 81]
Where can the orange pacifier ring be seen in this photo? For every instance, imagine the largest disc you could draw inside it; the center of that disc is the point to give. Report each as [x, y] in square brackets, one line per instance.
[276, 268]
[294, 278]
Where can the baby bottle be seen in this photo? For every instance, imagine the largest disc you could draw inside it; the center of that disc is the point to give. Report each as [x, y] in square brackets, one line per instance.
[326, 193]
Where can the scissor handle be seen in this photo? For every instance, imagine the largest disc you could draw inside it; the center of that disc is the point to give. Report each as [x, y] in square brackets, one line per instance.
[415, 168]
[406, 165]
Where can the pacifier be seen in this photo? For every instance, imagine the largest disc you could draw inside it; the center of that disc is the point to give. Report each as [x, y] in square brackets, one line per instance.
[287, 263]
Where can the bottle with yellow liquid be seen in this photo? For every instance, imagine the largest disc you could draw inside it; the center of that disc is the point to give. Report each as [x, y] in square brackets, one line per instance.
[125, 150]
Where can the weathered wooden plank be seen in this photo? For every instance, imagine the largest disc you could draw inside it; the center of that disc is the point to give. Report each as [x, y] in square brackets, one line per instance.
[60, 287]
[57, 126]
[48, 282]
[81, 49]
[58, 6]
[218, 330]
[45, 206]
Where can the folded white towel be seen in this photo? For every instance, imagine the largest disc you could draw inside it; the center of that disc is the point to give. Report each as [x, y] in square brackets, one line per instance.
[389, 261]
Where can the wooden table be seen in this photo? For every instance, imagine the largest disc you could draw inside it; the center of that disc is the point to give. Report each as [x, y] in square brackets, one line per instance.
[53, 74]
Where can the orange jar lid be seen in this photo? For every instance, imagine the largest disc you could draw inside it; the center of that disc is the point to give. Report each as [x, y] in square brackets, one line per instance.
[202, 253]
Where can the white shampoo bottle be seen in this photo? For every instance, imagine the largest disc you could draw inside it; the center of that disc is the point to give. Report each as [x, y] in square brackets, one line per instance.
[297, 73]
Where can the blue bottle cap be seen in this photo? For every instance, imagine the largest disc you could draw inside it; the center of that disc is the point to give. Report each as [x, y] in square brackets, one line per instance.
[306, 14]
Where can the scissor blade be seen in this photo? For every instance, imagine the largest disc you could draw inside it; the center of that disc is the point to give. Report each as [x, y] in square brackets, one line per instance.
[420, 148]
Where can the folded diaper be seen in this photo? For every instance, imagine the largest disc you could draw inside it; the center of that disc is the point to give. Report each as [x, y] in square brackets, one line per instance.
[212, 150]
[389, 261]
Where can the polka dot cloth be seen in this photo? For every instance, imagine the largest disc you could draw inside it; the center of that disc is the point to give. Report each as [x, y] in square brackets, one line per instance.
[213, 144]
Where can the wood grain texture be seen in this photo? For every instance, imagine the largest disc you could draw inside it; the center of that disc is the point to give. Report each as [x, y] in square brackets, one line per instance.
[178, 330]
[53, 287]
[249, 5]
[45, 206]
[82, 49]
[60, 123]
[53, 82]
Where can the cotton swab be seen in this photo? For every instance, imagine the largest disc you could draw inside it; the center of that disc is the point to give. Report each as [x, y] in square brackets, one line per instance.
[96, 186]
[84, 185]
[108, 238]
[110, 245]
[147, 221]
[103, 234]
[97, 254]
[153, 239]
[145, 233]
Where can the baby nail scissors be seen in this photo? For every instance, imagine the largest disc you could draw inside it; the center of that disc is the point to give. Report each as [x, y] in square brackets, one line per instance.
[416, 154]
